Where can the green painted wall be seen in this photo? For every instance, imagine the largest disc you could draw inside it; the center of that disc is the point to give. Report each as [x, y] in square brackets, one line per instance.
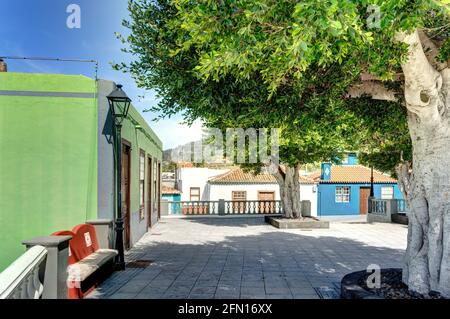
[140, 138]
[48, 159]
[152, 146]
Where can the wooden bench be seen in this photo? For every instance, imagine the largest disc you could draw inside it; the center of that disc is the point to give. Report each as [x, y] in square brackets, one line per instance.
[89, 265]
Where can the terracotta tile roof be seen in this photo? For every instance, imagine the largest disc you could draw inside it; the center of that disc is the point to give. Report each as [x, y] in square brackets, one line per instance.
[169, 190]
[305, 180]
[315, 176]
[354, 174]
[238, 176]
[185, 165]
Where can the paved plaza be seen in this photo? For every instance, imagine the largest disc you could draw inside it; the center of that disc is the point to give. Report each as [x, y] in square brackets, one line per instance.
[204, 258]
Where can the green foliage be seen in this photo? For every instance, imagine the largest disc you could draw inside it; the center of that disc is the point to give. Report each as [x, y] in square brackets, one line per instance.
[285, 64]
[437, 26]
[384, 139]
[169, 166]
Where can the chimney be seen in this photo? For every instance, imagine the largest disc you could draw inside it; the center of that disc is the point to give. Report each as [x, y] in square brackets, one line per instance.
[325, 172]
[352, 159]
[3, 66]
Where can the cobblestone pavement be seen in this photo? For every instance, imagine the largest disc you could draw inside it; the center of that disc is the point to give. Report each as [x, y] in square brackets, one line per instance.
[244, 258]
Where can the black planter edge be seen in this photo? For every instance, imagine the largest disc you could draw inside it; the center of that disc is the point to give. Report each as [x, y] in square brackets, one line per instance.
[351, 289]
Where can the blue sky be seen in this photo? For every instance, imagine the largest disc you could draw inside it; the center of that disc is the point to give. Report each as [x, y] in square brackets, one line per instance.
[38, 29]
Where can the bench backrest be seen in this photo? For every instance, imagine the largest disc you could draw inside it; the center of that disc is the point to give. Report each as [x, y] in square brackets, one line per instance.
[72, 259]
[84, 241]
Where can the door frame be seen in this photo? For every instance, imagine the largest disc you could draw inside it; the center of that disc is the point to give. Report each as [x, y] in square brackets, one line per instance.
[365, 188]
[149, 191]
[142, 207]
[158, 171]
[271, 207]
[127, 220]
[238, 204]
[267, 192]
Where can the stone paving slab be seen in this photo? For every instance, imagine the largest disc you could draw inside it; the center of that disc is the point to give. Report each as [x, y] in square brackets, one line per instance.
[205, 258]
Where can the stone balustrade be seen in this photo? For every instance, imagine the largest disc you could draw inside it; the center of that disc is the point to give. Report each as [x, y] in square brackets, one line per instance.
[41, 272]
[24, 278]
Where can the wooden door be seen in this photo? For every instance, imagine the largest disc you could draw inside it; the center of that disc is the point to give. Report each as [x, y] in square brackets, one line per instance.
[266, 204]
[126, 162]
[159, 190]
[364, 193]
[239, 201]
[149, 191]
[155, 188]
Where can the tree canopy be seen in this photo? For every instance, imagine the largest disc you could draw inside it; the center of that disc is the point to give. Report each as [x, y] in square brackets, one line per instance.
[332, 74]
[285, 64]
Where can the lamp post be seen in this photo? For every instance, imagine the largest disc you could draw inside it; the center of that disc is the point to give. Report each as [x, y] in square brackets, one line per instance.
[371, 183]
[372, 193]
[119, 104]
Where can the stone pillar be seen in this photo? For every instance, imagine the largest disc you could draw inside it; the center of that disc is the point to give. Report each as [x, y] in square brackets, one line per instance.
[391, 208]
[165, 208]
[55, 280]
[221, 207]
[104, 231]
[369, 204]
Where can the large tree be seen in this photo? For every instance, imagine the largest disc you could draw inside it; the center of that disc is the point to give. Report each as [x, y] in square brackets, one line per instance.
[296, 63]
[315, 123]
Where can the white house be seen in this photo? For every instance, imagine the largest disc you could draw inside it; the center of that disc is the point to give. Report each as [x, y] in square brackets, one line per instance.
[193, 182]
[234, 184]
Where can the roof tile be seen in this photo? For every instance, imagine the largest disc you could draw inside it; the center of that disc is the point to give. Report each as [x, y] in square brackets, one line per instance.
[169, 190]
[354, 174]
[238, 176]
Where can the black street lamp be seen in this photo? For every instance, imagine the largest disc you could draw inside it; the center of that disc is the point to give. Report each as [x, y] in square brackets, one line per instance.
[119, 104]
[372, 193]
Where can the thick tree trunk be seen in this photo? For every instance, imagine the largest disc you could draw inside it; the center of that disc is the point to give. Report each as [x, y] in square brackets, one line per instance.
[427, 185]
[289, 183]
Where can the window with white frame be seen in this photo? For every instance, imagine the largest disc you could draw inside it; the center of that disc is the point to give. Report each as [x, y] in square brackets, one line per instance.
[387, 192]
[194, 194]
[141, 184]
[342, 194]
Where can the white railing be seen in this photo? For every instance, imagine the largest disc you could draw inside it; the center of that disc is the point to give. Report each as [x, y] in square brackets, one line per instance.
[387, 206]
[21, 279]
[224, 207]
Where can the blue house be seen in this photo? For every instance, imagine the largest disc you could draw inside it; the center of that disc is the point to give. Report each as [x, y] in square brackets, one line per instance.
[344, 189]
[172, 195]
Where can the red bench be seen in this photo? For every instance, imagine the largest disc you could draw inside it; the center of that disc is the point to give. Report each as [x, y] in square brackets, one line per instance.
[88, 264]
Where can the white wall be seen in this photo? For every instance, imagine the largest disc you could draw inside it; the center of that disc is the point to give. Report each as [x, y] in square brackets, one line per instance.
[309, 192]
[220, 191]
[197, 177]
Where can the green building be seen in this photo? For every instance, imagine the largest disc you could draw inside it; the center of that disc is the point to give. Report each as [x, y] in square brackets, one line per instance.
[57, 164]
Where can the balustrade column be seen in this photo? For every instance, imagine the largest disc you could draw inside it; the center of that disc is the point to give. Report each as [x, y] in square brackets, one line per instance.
[55, 278]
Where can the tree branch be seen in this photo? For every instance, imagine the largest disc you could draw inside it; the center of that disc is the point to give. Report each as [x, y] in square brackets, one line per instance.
[375, 89]
[422, 81]
[404, 174]
[431, 51]
[278, 173]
